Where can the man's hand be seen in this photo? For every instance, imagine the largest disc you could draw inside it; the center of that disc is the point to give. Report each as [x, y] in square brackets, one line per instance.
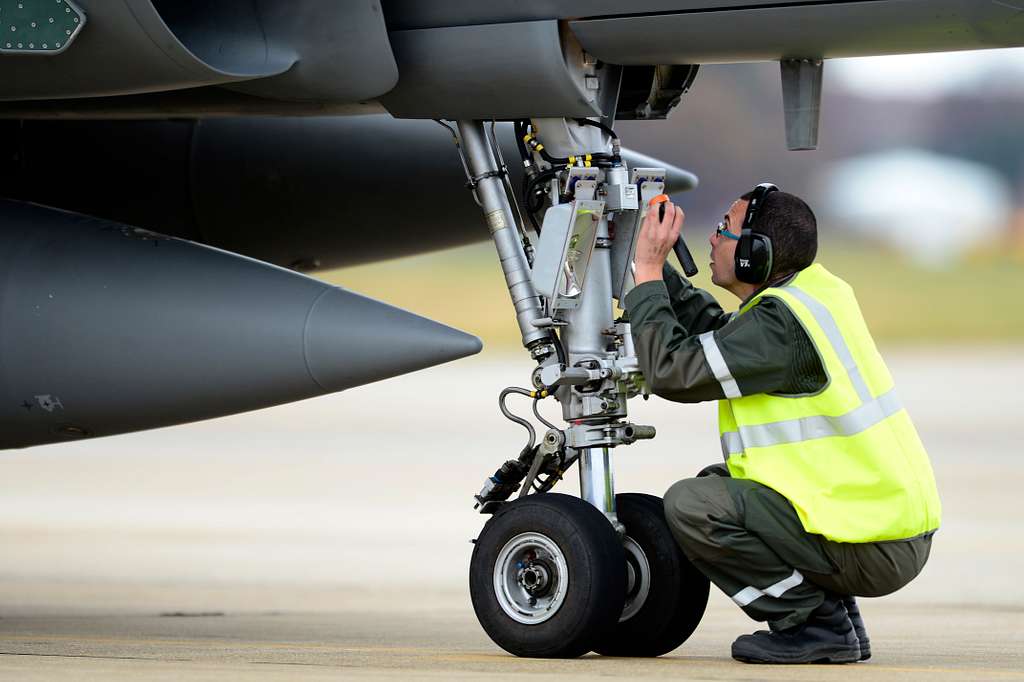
[657, 237]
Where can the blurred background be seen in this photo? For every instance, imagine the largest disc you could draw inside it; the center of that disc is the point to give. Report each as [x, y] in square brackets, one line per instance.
[917, 183]
[363, 500]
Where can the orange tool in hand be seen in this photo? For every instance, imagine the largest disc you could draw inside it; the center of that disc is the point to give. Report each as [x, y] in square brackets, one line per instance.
[682, 253]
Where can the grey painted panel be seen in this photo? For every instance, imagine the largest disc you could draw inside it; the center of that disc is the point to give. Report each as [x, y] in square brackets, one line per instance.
[309, 194]
[495, 71]
[229, 35]
[106, 328]
[124, 48]
[848, 29]
[344, 54]
[314, 191]
[408, 14]
[300, 50]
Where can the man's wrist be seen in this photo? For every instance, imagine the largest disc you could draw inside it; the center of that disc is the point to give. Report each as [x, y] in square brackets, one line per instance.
[648, 273]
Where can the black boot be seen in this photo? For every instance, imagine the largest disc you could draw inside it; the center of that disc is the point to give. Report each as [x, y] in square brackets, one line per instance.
[826, 637]
[858, 627]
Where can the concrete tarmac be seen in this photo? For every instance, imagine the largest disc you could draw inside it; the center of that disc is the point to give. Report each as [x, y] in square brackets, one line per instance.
[329, 539]
[910, 642]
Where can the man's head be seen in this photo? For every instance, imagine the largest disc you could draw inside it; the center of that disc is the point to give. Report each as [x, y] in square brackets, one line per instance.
[783, 218]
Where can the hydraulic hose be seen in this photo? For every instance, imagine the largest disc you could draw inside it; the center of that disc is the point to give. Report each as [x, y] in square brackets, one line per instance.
[524, 153]
[597, 124]
[599, 159]
[532, 435]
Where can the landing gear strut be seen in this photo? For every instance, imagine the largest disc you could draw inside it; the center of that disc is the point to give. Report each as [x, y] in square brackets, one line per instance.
[553, 575]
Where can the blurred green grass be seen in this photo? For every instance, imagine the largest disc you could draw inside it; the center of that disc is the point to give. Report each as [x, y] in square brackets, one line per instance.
[974, 301]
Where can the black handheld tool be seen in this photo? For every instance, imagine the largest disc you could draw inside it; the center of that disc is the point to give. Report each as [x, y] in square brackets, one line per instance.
[682, 253]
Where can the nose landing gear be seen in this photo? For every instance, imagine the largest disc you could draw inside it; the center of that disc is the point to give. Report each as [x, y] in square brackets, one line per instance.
[554, 576]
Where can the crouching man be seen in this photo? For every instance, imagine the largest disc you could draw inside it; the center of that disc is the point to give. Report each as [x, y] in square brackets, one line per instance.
[826, 492]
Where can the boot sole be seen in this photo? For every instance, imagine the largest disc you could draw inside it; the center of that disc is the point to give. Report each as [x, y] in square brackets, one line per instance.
[834, 655]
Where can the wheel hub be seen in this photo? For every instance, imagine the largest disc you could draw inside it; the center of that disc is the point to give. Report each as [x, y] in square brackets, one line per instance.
[535, 578]
[638, 579]
[530, 578]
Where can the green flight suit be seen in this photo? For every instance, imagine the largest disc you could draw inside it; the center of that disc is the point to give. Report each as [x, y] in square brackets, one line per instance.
[746, 537]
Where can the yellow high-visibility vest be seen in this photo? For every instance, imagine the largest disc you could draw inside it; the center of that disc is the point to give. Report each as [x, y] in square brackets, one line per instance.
[848, 457]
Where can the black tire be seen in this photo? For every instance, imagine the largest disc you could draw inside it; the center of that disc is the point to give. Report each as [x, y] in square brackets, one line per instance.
[678, 592]
[593, 593]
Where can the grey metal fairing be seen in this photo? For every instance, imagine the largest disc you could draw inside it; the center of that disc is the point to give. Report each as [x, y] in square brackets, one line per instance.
[106, 328]
[297, 50]
[138, 58]
[413, 14]
[342, 48]
[708, 31]
[505, 71]
[302, 193]
[801, 101]
[714, 32]
[127, 48]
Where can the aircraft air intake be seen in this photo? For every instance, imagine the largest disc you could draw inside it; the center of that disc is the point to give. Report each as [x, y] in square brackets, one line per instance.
[107, 328]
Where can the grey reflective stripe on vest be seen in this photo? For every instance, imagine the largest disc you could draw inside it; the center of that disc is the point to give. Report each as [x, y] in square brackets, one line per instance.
[809, 428]
[717, 364]
[749, 594]
[871, 411]
[828, 325]
[731, 444]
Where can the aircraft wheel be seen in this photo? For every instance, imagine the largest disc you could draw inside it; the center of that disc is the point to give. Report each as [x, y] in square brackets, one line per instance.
[665, 595]
[547, 576]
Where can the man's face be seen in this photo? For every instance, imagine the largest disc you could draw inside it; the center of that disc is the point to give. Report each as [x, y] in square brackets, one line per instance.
[723, 249]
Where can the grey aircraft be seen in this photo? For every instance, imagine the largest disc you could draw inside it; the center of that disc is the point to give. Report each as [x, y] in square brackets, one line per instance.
[171, 168]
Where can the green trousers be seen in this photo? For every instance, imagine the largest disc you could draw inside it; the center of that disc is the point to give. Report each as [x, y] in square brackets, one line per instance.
[748, 540]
